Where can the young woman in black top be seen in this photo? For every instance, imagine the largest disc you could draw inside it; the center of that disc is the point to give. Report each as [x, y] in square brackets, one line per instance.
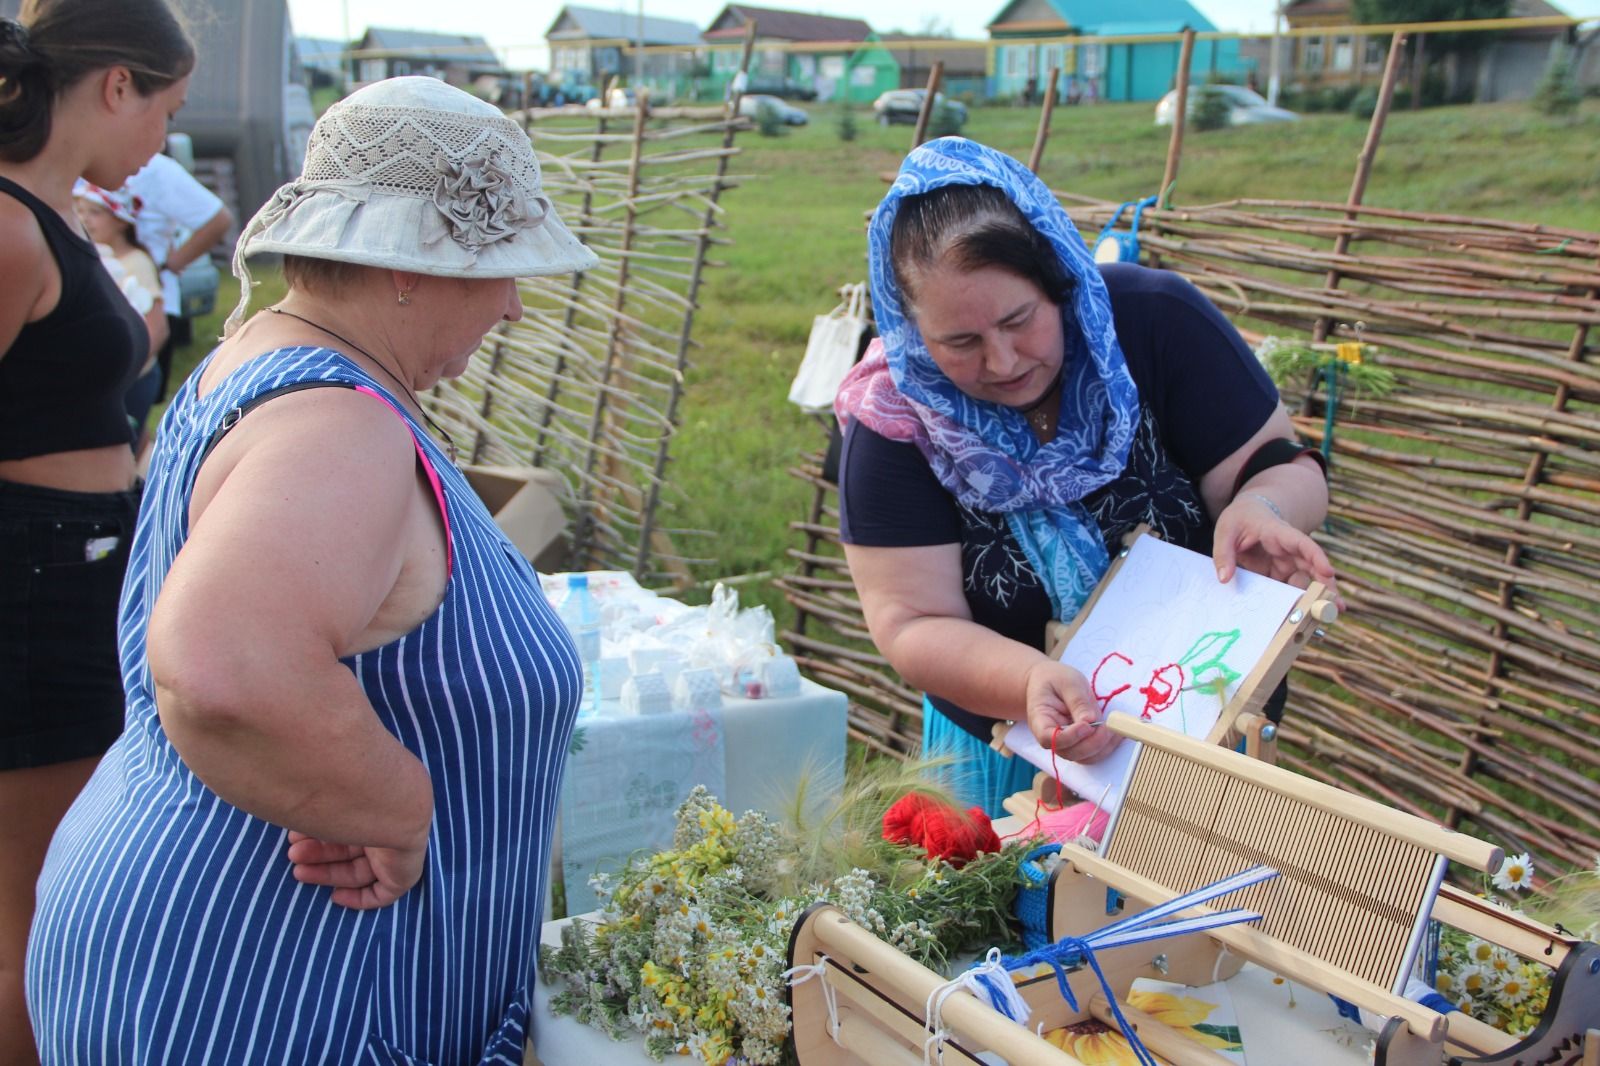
[86, 90]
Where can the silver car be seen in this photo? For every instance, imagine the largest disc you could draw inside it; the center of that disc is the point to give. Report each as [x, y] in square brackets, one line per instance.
[904, 105]
[751, 104]
[1246, 107]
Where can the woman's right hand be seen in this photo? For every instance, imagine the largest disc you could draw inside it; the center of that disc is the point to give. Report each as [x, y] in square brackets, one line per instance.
[362, 878]
[1062, 713]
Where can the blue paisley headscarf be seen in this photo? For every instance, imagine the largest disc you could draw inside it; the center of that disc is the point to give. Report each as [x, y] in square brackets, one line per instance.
[983, 452]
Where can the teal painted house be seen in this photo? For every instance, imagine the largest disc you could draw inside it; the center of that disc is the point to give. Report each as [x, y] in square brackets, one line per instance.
[798, 53]
[1119, 68]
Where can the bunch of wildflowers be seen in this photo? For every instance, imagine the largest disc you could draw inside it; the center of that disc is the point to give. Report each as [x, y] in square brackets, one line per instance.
[1497, 986]
[691, 943]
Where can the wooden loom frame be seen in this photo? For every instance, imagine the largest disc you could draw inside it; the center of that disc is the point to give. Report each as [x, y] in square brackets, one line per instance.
[880, 994]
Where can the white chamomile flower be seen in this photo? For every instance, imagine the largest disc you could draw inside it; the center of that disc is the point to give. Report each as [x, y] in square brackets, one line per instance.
[1445, 983]
[1502, 961]
[1475, 980]
[1513, 989]
[1480, 951]
[1516, 873]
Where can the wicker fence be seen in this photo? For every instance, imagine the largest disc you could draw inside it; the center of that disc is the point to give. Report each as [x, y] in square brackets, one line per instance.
[1462, 683]
[590, 382]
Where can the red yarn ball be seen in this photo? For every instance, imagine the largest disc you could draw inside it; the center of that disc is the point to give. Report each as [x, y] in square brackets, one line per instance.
[939, 829]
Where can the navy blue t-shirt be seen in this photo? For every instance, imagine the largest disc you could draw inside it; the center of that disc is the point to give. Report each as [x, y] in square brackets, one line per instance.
[1202, 395]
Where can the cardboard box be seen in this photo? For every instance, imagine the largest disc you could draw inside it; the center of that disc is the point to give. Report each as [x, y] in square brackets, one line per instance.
[527, 505]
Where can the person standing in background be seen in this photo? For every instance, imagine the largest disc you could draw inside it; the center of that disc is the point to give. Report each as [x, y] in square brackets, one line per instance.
[87, 88]
[109, 218]
[179, 221]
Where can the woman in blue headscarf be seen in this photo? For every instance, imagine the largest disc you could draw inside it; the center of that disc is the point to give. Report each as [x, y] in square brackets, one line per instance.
[1023, 409]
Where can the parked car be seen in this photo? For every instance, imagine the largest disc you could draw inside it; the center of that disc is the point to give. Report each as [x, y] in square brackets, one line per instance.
[750, 106]
[904, 105]
[620, 97]
[1246, 107]
[787, 88]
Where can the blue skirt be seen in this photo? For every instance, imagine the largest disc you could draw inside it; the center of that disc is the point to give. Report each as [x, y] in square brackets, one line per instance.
[976, 775]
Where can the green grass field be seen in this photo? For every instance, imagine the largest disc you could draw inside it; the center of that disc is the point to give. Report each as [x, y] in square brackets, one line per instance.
[798, 227]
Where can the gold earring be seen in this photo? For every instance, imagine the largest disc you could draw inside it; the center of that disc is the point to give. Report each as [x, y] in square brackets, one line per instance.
[405, 297]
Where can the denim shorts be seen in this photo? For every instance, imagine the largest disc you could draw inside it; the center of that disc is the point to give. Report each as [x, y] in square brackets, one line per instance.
[62, 559]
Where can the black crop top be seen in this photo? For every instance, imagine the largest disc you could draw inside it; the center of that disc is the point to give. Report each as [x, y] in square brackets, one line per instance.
[63, 378]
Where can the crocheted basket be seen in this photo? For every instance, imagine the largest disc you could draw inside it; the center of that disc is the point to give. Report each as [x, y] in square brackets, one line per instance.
[1032, 905]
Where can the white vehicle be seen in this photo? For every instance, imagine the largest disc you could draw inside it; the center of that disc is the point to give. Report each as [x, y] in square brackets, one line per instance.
[904, 105]
[750, 107]
[1246, 107]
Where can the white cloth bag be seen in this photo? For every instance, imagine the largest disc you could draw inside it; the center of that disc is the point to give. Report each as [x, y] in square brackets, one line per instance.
[830, 351]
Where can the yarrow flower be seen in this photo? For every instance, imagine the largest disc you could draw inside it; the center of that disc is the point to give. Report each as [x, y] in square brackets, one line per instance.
[1516, 873]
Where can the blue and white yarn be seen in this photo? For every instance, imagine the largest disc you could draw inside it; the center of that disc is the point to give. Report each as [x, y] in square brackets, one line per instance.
[1071, 952]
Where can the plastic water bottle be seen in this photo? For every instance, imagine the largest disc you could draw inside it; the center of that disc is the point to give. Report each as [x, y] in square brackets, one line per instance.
[581, 614]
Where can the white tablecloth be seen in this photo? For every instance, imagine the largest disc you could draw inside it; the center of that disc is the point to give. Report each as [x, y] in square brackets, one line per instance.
[626, 776]
[1282, 1023]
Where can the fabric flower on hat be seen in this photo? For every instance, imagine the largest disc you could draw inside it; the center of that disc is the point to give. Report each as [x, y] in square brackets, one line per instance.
[480, 201]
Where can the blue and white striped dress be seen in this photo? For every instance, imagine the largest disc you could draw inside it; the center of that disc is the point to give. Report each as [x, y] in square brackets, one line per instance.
[169, 928]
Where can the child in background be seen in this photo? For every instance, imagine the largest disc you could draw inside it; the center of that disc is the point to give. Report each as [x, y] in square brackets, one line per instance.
[179, 221]
[110, 218]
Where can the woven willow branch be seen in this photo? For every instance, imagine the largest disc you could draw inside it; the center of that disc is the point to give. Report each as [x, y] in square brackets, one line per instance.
[589, 382]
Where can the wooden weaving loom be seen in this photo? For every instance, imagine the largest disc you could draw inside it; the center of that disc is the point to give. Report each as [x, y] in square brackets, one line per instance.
[1346, 916]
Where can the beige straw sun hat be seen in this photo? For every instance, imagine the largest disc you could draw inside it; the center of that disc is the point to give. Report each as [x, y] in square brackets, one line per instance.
[412, 174]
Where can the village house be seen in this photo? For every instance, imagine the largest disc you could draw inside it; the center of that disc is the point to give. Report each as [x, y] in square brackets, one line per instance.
[1120, 68]
[1507, 67]
[590, 45]
[798, 54]
[459, 59]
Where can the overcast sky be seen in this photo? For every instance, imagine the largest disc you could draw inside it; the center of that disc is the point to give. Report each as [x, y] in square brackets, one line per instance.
[516, 27]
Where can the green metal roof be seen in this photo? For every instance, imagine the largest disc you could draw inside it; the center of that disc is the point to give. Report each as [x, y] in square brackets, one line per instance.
[1139, 29]
[1125, 17]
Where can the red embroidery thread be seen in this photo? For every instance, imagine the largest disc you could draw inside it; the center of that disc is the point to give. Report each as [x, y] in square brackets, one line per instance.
[1158, 694]
[1094, 681]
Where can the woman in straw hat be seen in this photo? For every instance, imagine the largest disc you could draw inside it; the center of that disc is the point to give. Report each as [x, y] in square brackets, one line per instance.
[86, 88]
[324, 835]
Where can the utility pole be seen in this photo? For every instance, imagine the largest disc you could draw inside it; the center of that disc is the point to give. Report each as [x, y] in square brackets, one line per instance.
[638, 52]
[1273, 78]
[347, 61]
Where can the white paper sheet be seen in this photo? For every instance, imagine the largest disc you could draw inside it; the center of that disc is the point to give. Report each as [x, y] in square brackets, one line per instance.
[1166, 642]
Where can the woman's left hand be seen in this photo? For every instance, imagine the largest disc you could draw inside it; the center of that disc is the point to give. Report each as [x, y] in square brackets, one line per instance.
[362, 878]
[1250, 535]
